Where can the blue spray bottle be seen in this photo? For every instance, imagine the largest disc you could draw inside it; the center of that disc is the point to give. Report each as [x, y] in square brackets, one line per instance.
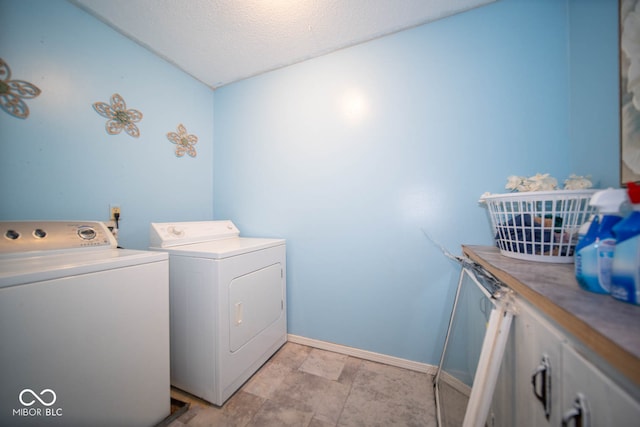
[625, 274]
[594, 253]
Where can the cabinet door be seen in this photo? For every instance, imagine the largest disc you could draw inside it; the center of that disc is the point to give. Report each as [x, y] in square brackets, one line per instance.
[537, 370]
[604, 403]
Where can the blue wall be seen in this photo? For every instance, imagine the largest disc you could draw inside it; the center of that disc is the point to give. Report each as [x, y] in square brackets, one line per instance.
[351, 157]
[594, 90]
[60, 163]
[450, 109]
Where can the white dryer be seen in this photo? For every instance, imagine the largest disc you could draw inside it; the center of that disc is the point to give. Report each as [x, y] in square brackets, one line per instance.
[84, 328]
[227, 302]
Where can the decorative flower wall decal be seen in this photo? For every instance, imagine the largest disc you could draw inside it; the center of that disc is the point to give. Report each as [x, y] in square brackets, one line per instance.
[119, 117]
[13, 91]
[184, 142]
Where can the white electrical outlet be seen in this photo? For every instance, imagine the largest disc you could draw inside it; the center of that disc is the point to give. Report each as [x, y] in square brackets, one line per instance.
[113, 211]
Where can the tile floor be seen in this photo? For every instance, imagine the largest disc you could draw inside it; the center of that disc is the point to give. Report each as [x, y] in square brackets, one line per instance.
[308, 387]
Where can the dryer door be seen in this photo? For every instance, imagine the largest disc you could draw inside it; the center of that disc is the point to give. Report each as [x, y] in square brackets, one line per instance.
[256, 302]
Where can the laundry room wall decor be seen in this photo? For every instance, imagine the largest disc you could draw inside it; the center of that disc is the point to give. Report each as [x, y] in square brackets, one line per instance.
[119, 117]
[184, 142]
[12, 93]
[41, 44]
[629, 91]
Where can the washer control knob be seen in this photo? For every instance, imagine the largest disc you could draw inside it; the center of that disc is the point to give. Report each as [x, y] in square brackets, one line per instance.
[86, 233]
[11, 234]
[39, 233]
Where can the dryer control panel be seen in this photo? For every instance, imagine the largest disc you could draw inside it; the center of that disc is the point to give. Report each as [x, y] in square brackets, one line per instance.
[31, 236]
[167, 234]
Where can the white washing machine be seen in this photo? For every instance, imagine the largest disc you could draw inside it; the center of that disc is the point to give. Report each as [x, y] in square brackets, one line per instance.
[84, 328]
[228, 304]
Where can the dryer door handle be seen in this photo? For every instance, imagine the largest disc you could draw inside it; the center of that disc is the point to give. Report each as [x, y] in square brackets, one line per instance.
[238, 319]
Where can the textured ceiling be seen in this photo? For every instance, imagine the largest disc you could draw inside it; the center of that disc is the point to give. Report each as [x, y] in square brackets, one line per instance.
[222, 41]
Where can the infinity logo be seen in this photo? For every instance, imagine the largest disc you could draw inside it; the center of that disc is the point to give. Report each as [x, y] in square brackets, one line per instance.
[36, 397]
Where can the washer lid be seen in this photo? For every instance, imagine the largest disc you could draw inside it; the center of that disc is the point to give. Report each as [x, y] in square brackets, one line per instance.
[169, 234]
[51, 265]
[223, 248]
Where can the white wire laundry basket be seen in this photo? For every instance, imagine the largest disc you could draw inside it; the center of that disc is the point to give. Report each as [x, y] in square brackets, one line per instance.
[539, 225]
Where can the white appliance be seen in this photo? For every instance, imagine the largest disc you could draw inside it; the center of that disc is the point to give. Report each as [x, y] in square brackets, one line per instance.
[228, 304]
[84, 328]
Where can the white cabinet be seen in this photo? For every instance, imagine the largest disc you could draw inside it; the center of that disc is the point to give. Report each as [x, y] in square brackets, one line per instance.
[538, 349]
[592, 399]
[544, 380]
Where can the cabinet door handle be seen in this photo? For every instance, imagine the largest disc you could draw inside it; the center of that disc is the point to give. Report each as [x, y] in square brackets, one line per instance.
[543, 371]
[579, 413]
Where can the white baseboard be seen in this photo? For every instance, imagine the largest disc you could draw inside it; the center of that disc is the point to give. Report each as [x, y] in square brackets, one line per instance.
[455, 383]
[364, 354]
